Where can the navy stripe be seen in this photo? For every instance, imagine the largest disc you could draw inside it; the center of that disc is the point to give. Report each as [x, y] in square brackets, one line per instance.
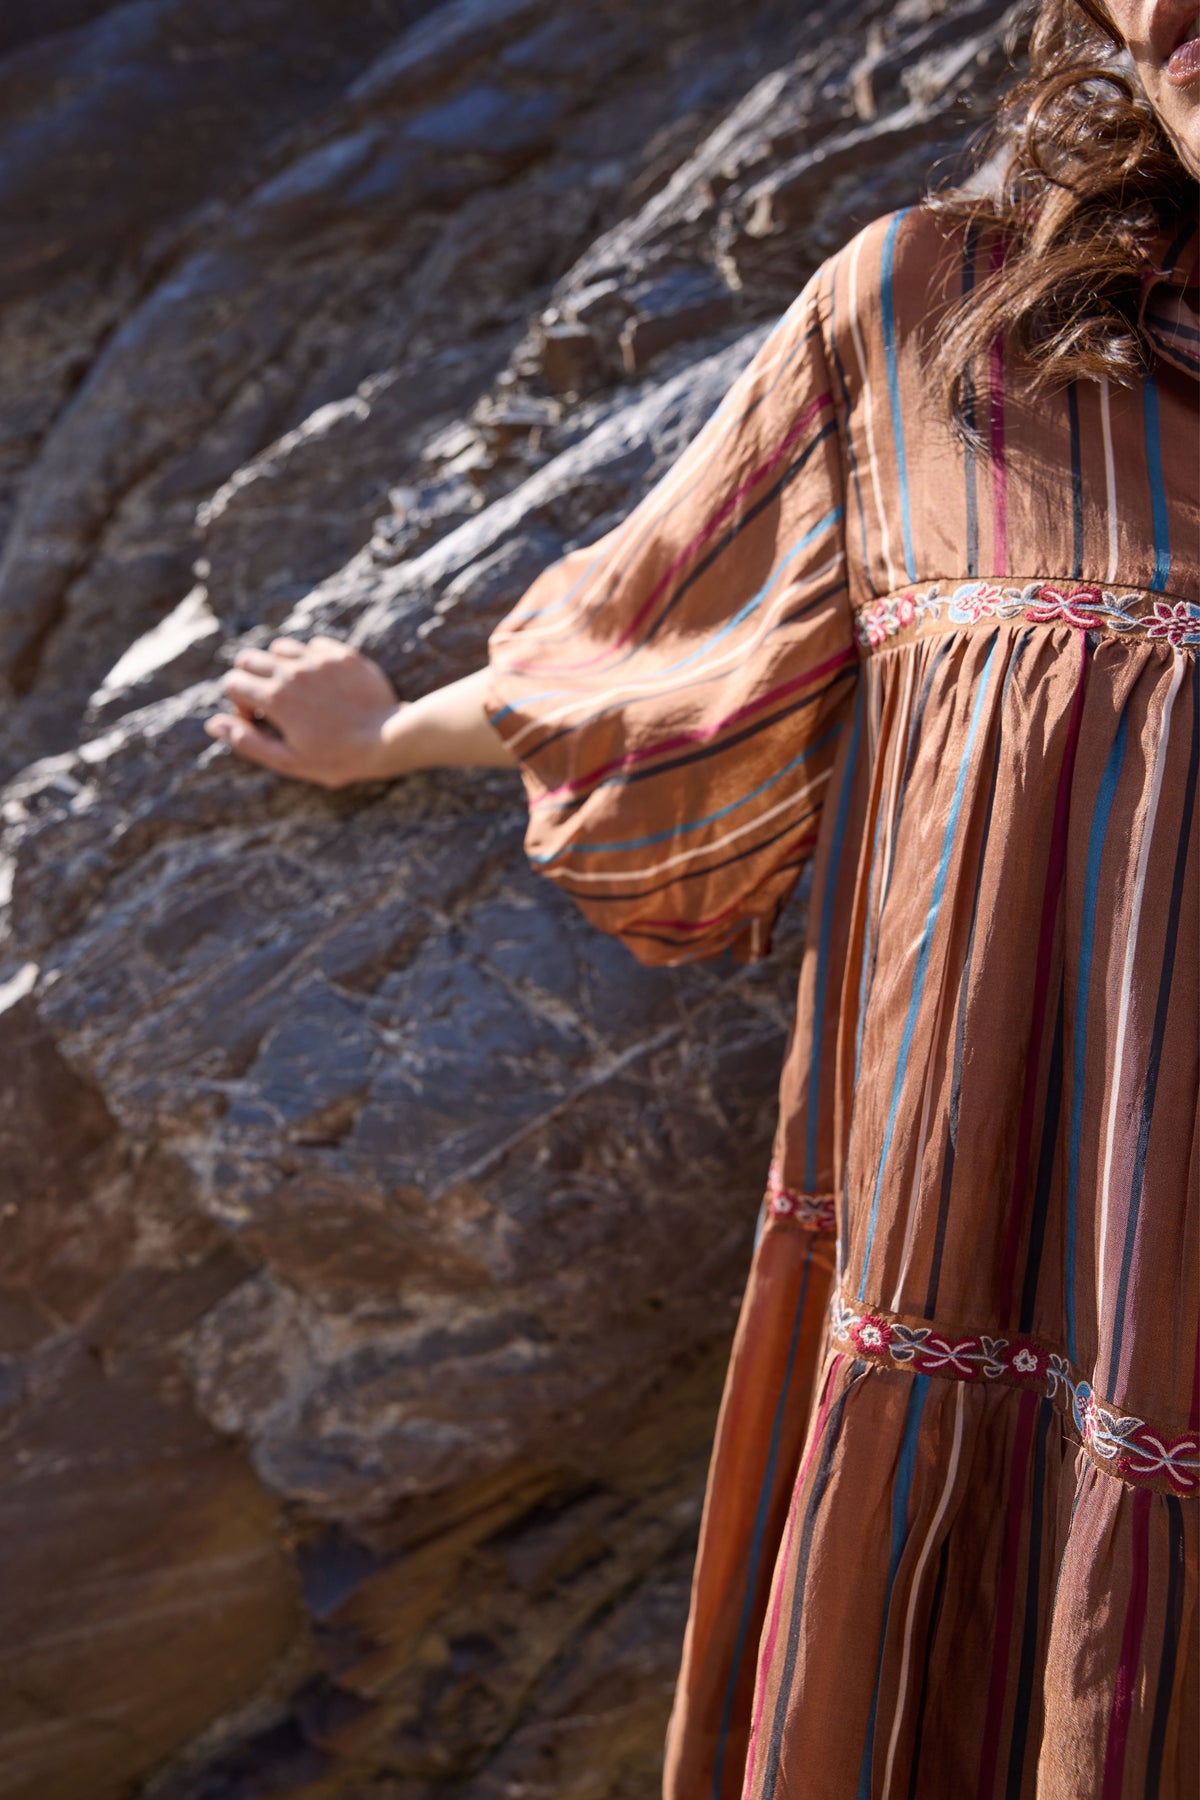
[1076, 483]
[887, 299]
[809, 606]
[970, 252]
[1178, 244]
[673, 880]
[829, 429]
[671, 689]
[760, 400]
[1045, 1170]
[924, 948]
[960, 1025]
[1028, 1668]
[757, 1536]
[870, 947]
[1157, 1035]
[824, 939]
[1158, 492]
[901, 1493]
[1097, 836]
[1176, 1578]
[787, 1673]
[649, 770]
[935, 1613]
[847, 434]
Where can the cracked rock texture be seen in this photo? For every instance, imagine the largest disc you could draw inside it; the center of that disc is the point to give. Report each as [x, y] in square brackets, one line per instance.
[371, 1231]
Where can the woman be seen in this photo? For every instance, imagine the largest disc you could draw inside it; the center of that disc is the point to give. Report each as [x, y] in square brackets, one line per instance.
[921, 602]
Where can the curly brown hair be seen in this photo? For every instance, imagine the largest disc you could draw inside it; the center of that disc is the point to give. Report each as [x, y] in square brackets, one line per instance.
[1083, 180]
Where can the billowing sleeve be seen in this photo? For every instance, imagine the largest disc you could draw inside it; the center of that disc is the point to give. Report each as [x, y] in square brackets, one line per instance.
[675, 692]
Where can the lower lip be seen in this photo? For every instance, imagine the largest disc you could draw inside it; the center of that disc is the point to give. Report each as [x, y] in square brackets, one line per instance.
[1183, 66]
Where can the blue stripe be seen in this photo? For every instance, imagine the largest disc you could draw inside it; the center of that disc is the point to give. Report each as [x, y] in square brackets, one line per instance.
[921, 967]
[868, 968]
[752, 605]
[674, 831]
[1087, 945]
[888, 301]
[900, 1498]
[757, 1535]
[821, 982]
[704, 649]
[1158, 492]
[731, 394]
[1158, 1034]
[847, 437]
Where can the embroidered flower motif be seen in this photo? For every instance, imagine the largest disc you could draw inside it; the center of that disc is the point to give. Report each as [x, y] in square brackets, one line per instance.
[871, 1335]
[1178, 624]
[875, 623]
[1027, 1361]
[976, 601]
[906, 610]
[1085, 1410]
[1084, 607]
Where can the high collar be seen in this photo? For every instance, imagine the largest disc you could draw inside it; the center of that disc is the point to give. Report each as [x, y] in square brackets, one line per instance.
[1170, 307]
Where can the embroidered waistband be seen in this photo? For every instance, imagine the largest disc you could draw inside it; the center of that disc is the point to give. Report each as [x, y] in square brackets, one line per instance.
[1132, 1449]
[1123, 613]
[816, 1212]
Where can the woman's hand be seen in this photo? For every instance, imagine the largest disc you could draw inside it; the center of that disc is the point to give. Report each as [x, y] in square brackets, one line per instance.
[323, 712]
[314, 711]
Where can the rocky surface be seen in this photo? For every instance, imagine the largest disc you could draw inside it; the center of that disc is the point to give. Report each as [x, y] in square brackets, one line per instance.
[372, 1231]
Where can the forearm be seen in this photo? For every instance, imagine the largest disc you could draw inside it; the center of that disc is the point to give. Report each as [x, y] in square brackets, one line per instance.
[446, 729]
[322, 712]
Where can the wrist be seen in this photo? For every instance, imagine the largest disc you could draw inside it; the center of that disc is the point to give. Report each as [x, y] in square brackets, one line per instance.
[394, 748]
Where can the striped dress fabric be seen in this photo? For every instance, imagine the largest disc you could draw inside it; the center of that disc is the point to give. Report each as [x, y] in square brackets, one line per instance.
[949, 1546]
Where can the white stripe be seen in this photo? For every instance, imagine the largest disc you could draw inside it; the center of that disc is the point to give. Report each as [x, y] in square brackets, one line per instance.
[867, 408]
[703, 849]
[914, 1591]
[734, 651]
[899, 735]
[931, 1070]
[1135, 913]
[1110, 477]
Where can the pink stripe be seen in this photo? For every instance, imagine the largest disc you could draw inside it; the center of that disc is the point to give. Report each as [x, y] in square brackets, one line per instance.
[1007, 1589]
[772, 1632]
[730, 503]
[1131, 1651]
[999, 469]
[703, 736]
[1055, 869]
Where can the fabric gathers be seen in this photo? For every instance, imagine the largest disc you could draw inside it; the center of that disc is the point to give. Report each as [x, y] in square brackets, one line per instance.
[950, 1538]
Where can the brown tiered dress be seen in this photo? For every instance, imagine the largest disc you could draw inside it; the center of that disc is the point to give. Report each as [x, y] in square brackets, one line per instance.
[950, 1541]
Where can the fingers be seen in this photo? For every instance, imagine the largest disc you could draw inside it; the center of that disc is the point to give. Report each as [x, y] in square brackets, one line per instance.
[255, 662]
[287, 647]
[253, 745]
[249, 693]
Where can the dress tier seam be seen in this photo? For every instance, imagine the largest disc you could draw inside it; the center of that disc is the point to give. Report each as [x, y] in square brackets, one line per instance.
[1121, 1445]
[812, 1212]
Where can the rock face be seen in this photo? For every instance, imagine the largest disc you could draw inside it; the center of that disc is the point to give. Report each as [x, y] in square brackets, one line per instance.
[372, 1231]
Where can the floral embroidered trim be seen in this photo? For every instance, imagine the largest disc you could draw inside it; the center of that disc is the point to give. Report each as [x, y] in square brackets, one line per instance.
[1118, 1443]
[816, 1211]
[1086, 608]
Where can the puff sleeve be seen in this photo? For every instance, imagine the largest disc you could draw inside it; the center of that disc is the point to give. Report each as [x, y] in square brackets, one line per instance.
[675, 692]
